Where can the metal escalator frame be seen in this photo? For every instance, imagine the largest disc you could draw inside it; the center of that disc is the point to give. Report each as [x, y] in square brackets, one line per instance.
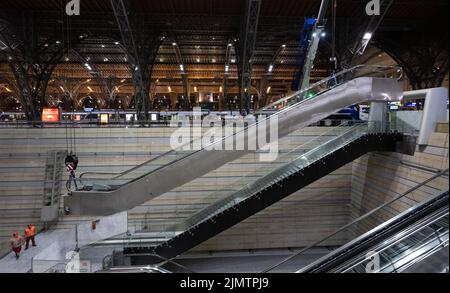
[272, 194]
[200, 215]
[369, 239]
[442, 173]
[285, 109]
[401, 236]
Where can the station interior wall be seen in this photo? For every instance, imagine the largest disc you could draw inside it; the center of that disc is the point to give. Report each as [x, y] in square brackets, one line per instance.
[302, 218]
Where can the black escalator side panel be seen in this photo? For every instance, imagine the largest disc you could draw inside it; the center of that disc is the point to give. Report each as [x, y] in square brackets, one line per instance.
[267, 197]
[369, 241]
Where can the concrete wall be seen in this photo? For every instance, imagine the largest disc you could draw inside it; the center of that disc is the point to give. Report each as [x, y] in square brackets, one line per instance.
[299, 220]
[378, 178]
[23, 155]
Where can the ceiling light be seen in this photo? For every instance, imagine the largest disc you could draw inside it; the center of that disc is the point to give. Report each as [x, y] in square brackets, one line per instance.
[8, 90]
[90, 89]
[169, 89]
[284, 46]
[174, 44]
[182, 67]
[195, 89]
[229, 45]
[233, 60]
[123, 80]
[270, 68]
[103, 46]
[269, 89]
[116, 43]
[221, 89]
[227, 68]
[88, 67]
[367, 36]
[106, 59]
[198, 60]
[214, 60]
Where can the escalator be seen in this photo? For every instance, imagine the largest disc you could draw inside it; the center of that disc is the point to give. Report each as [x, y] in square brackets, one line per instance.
[279, 182]
[398, 245]
[124, 191]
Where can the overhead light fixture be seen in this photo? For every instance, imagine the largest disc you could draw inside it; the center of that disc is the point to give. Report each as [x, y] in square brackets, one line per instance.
[169, 89]
[268, 90]
[198, 60]
[230, 44]
[174, 44]
[161, 60]
[182, 67]
[88, 67]
[195, 89]
[221, 89]
[90, 89]
[123, 80]
[214, 60]
[367, 36]
[270, 68]
[58, 42]
[227, 68]
[103, 46]
[233, 60]
[284, 46]
[62, 89]
[67, 59]
[88, 80]
[116, 43]
[8, 90]
[106, 59]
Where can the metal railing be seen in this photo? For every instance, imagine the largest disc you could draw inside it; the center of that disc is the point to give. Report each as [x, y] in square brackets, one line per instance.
[359, 219]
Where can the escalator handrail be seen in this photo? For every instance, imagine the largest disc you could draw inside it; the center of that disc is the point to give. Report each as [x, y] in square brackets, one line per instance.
[386, 227]
[285, 109]
[442, 173]
[403, 235]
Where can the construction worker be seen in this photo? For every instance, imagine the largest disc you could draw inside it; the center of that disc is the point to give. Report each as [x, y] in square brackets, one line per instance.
[30, 232]
[16, 244]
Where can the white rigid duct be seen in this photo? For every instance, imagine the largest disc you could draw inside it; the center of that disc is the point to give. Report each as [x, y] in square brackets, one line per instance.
[177, 173]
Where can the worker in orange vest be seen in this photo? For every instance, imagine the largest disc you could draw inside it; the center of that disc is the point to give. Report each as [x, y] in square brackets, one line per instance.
[16, 244]
[30, 232]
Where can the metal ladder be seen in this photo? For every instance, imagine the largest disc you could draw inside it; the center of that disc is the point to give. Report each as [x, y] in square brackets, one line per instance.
[54, 169]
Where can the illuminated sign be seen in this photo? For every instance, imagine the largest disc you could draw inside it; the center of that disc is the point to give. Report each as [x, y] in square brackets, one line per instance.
[50, 115]
[104, 118]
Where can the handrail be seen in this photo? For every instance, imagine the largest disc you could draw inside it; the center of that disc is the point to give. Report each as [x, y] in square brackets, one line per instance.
[357, 220]
[165, 261]
[282, 111]
[408, 232]
[323, 81]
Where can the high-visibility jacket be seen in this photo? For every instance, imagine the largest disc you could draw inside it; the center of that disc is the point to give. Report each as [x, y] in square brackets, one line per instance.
[30, 232]
[16, 241]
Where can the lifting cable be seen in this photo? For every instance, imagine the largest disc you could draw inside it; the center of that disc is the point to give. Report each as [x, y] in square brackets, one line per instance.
[333, 58]
[71, 161]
